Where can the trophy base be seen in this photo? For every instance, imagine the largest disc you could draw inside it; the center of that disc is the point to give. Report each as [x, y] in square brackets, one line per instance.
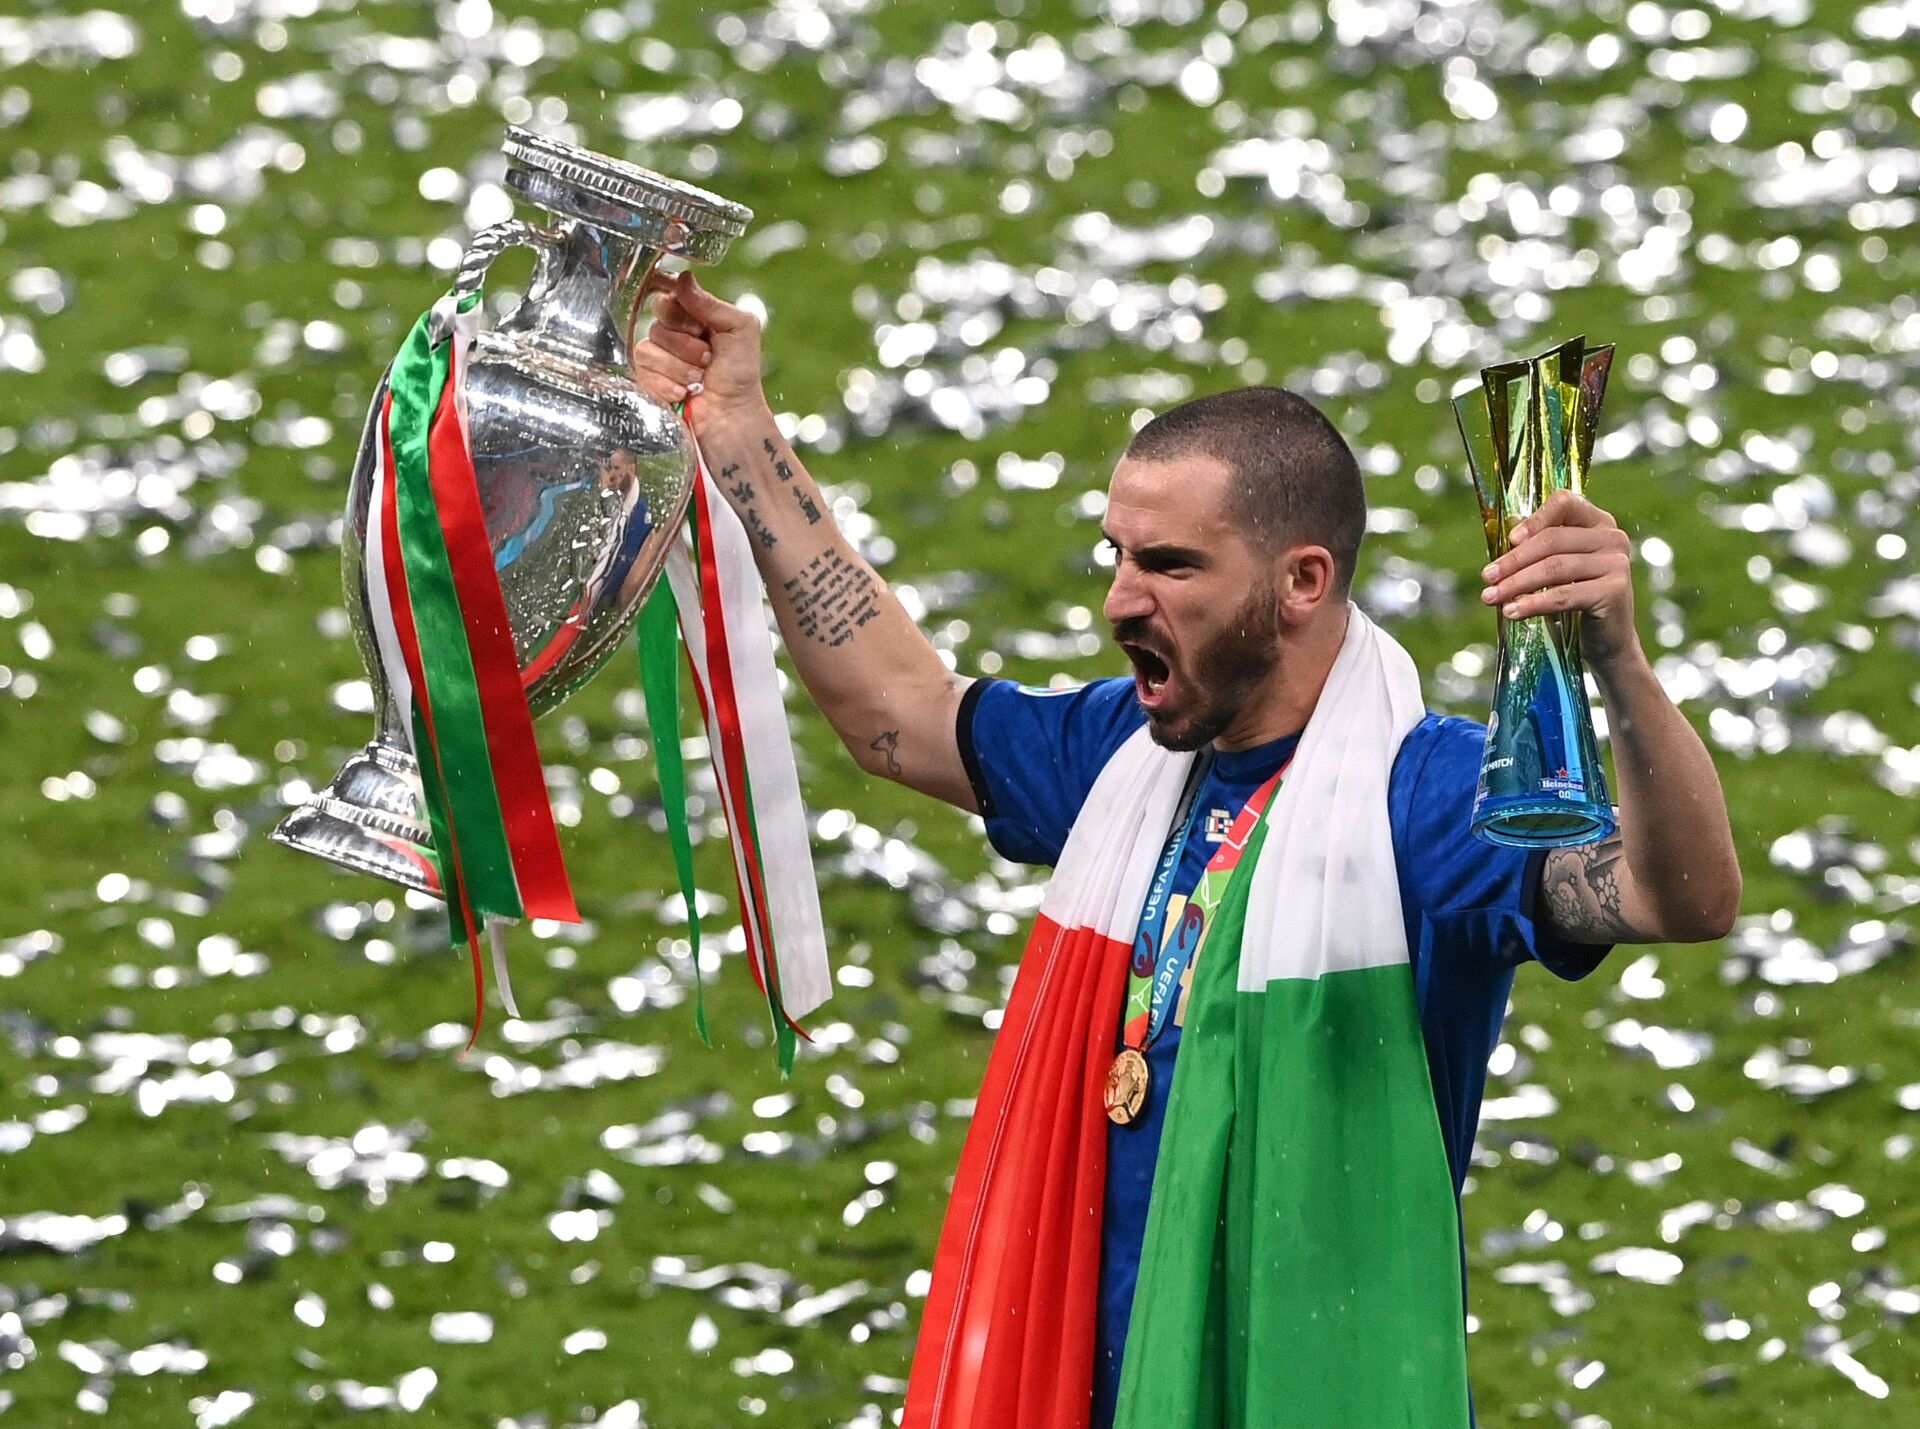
[1544, 822]
[370, 819]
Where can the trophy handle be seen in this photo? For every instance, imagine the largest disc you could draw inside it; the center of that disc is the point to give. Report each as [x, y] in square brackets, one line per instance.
[489, 243]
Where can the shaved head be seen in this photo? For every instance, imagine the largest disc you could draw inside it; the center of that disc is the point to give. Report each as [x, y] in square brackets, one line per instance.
[1292, 479]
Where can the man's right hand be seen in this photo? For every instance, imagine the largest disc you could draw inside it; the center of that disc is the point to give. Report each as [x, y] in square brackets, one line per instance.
[703, 352]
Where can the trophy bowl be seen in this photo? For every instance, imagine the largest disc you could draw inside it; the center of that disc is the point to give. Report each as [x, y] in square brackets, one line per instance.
[583, 479]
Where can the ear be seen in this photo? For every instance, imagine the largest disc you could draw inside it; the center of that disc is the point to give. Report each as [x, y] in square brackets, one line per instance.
[1307, 582]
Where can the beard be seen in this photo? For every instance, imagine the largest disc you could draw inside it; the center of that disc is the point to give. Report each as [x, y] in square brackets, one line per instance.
[1225, 672]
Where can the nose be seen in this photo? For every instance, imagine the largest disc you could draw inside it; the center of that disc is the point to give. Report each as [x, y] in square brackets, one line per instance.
[1127, 597]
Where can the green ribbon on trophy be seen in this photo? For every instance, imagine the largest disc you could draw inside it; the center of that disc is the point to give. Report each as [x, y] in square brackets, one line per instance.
[1529, 428]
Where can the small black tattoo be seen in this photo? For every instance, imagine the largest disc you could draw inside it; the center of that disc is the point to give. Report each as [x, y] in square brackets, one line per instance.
[808, 507]
[889, 745]
[759, 529]
[738, 485]
[780, 467]
[832, 598]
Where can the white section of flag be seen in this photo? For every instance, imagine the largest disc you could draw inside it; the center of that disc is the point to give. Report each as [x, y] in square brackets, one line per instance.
[1327, 873]
[1101, 879]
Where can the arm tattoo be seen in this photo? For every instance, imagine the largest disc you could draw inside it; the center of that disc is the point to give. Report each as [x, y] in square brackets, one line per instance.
[889, 745]
[832, 598]
[742, 489]
[1581, 896]
[780, 467]
[808, 506]
[759, 529]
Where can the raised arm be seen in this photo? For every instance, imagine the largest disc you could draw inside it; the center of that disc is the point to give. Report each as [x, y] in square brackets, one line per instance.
[870, 669]
[1670, 873]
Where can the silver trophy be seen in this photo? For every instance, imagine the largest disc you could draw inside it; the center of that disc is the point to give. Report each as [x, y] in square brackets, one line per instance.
[584, 479]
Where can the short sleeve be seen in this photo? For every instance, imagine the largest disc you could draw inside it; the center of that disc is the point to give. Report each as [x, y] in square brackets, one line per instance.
[1032, 756]
[1479, 895]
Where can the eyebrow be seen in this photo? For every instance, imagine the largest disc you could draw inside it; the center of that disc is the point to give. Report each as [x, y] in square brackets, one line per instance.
[1162, 553]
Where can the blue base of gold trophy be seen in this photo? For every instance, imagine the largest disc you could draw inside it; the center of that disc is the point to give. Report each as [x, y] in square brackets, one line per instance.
[1529, 429]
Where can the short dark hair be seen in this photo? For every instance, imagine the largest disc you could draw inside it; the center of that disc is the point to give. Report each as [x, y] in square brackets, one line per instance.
[1292, 476]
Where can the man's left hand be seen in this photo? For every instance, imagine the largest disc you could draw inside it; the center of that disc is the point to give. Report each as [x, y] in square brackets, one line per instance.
[1570, 555]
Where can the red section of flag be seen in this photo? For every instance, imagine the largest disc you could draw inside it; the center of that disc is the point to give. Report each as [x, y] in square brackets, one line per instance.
[1007, 1336]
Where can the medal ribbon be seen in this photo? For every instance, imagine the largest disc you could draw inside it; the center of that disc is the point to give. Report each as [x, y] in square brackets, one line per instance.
[1151, 1000]
[1148, 973]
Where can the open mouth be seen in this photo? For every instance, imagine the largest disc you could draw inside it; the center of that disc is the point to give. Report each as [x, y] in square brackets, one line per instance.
[1151, 674]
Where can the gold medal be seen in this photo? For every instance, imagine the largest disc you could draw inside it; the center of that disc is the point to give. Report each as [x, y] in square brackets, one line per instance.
[1126, 1086]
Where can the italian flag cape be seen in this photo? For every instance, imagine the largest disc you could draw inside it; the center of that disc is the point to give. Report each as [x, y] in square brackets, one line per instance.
[447, 650]
[1302, 1260]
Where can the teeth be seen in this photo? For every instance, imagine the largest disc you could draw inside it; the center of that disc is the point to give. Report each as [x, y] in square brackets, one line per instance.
[1144, 661]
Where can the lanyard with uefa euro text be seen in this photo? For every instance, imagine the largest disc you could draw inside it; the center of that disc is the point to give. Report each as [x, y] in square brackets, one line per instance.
[1159, 960]
[1130, 1076]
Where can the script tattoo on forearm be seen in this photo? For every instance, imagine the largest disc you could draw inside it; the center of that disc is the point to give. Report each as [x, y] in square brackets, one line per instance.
[832, 598]
[808, 506]
[889, 745]
[1581, 887]
[780, 467]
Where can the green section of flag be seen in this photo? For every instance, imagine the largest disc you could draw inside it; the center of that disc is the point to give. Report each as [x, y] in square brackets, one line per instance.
[471, 803]
[1302, 1259]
